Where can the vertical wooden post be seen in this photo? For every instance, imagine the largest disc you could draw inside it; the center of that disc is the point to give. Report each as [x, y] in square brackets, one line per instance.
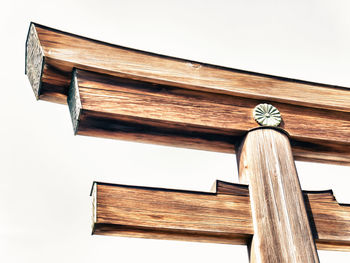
[281, 226]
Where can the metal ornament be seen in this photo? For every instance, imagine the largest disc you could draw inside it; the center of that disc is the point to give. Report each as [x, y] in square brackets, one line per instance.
[267, 115]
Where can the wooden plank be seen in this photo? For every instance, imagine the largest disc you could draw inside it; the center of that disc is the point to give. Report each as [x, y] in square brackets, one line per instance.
[52, 54]
[282, 232]
[169, 214]
[112, 107]
[222, 216]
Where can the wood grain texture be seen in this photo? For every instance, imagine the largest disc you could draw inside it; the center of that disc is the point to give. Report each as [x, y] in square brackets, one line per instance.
[120, 108]
[170, 214]
[221, 216]
[329, 220]
[64, 51]
[282, 230]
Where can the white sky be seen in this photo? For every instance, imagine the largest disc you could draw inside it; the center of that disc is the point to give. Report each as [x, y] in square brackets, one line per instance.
[46, 172]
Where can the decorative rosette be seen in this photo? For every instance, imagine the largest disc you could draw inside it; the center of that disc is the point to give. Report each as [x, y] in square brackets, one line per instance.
[267, 115]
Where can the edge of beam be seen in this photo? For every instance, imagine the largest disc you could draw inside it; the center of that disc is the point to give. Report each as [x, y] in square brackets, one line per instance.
[74, 102]
[152, 188]
[170, 234]
[34, 60]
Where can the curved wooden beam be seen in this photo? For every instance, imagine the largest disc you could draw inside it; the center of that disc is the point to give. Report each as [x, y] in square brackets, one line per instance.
[60, 52]
[317, 116]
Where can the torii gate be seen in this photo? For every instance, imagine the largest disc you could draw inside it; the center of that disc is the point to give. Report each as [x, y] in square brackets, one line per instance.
[121, 93]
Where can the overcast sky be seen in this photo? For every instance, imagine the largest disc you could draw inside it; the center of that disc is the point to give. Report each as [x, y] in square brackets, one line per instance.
[46, 172]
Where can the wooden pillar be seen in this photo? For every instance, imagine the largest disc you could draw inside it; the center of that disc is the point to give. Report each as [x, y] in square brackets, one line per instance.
[281, 226]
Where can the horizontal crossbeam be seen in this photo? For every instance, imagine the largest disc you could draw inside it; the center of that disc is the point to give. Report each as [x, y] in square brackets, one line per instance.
[220, 217]
[119, 108]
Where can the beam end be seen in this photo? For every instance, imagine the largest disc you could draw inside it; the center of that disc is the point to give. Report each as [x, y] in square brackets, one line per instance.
[74, 101]
[34, 60]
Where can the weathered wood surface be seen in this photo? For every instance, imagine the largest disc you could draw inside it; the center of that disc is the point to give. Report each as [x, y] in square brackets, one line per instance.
[316, 115]
[63, 51]
[107, 106]
[282, 230]
[223, 216]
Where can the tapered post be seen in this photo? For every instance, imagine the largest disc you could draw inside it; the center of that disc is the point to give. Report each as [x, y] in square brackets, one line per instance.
[281, 226]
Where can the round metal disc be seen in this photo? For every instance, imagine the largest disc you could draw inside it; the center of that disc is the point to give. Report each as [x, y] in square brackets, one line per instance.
[267, 115]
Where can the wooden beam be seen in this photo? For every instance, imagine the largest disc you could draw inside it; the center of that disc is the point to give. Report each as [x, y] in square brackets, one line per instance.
[317, 116]
[107, 106]
[223, 216]
[169, 214]
[51, 56]
[282, 232]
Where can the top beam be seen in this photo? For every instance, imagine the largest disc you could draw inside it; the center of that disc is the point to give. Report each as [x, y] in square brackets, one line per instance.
[51, 55]
[202, 106]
